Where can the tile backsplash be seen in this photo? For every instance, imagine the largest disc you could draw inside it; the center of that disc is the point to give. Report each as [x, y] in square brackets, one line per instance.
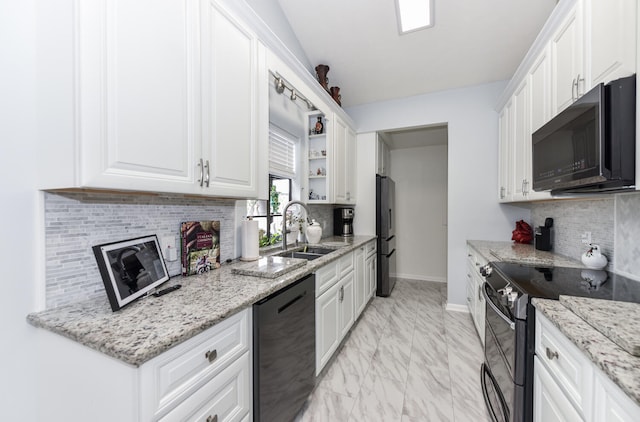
[75, 222]
[614, 223]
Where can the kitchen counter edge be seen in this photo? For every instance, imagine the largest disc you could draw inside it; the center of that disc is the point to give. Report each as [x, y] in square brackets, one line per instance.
[621, 367]
[169, 320]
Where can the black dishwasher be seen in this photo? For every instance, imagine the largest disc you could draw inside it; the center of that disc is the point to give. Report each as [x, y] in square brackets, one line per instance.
[284, 351]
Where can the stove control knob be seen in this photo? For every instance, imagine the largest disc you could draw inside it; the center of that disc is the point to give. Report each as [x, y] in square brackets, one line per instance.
[486, 270]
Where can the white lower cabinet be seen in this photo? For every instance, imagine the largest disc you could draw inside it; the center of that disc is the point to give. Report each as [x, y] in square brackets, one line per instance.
[569, 387]
[371, 262]
[475, 298]
[549, 403]
[361, 280]
[206, 378]
[340, 300]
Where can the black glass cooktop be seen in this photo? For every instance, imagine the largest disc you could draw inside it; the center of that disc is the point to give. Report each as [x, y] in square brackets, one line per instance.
[551, 282]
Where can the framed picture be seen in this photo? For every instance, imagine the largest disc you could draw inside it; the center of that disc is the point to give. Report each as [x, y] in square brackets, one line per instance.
[130, 268]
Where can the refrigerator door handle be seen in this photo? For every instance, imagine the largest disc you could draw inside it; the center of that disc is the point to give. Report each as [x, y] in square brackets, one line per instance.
[390, 253]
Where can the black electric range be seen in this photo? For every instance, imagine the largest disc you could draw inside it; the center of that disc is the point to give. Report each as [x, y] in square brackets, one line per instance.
[507, 373]
[551, 282]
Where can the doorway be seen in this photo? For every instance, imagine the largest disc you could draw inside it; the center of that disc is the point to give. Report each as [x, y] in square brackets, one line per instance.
[418, 159]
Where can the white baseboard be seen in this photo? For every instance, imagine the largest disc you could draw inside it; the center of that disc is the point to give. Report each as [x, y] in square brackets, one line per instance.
[420, 277]
[454, 307]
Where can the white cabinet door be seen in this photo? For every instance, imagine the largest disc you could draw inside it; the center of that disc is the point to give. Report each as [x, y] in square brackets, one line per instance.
[540, 107]
[549, 402]
[371, 276]
[611, 404]
[521, 139]
[567, 58]
[612, 26]
[350, 164]
[327, 325]
[505, 151]
[347, 304]
[340, 160]
[138, 94]
[361, 280]
[234, 77]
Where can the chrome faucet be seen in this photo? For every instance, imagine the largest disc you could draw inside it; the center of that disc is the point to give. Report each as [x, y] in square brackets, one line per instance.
[284, 220]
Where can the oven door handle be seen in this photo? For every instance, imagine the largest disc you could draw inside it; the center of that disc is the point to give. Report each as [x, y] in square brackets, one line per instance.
[495, 309]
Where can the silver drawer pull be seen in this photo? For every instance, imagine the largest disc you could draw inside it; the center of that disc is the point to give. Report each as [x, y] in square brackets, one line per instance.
[211, 355]
[551, 355]
[213, 418]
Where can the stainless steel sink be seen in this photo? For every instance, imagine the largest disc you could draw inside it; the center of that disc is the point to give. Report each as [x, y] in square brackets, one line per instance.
[310, 253]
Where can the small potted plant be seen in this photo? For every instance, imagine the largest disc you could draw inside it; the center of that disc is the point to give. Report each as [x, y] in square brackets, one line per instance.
[274, 199]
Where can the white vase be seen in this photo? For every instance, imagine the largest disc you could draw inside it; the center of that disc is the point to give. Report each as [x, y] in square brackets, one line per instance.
[314, 232]
[594, 259]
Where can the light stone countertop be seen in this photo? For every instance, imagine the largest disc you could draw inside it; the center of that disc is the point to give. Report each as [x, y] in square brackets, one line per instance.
[153, 325]
[621, 367]
[521, 254]
[618, 321]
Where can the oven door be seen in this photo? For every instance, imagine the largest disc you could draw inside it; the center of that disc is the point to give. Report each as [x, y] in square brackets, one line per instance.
[499, 317]
[497, 385]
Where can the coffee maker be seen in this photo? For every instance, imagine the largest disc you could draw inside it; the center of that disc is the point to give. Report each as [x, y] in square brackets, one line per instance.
[343, 222]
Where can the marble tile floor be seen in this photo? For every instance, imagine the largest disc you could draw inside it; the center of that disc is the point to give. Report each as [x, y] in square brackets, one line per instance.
[407, 359]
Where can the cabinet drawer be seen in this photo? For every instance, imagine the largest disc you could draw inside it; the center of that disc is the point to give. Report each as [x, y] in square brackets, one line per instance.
[225, 398]
[571, 369]
[370, 248]
[326, 277]
[175, 374]
[346, 264]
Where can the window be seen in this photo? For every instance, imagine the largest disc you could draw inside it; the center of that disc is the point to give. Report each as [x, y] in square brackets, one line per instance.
[269, 213]
[282, 170]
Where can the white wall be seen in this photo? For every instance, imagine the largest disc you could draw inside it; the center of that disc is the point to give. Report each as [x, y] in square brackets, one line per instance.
[420, 175]
[473, 209]
[271, 13]
[19, 248]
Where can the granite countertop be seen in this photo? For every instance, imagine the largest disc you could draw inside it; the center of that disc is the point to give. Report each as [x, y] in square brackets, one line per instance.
[152, 325]
[620, 366]
[618, 321]
[521, 254]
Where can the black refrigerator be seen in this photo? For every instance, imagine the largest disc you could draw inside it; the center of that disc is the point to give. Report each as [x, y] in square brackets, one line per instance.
[385, 224]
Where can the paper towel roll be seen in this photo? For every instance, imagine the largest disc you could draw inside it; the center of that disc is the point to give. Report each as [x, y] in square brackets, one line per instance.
[250, 240]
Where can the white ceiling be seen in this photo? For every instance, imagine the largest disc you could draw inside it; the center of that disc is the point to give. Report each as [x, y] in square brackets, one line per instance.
[472, 42]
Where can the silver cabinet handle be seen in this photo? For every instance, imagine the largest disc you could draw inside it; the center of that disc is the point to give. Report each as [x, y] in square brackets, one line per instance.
[501, 192]
[573, 85]
[213, 418]
[201, 179]
[578, 80]
[522, 186]
[551, 355]
[206, 176]
[341, 297]
[211, 355]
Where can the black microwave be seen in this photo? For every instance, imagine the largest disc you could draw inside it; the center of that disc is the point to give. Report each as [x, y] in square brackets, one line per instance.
[589, 146]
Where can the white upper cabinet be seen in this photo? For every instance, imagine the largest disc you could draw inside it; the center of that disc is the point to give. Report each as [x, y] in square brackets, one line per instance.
[583, 43]
[521, 139]
[567, 58]
[344, 148]
[612, 26]
[169, 96]
[234, 73]
[137, 102]
[505, 154]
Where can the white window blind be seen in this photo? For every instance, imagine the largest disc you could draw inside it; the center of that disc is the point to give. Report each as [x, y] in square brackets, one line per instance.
[282, 152]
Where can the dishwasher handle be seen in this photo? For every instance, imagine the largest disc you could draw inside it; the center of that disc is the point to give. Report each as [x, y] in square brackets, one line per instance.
[291, 302]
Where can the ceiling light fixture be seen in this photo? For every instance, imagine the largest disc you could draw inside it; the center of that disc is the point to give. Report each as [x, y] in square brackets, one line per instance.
[414, 15]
